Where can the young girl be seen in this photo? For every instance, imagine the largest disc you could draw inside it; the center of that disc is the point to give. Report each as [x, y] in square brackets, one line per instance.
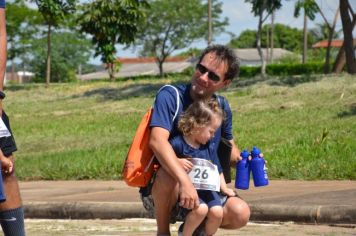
[197, 126]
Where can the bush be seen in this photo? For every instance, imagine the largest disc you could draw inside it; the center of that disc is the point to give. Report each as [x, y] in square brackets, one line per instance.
[284, 69]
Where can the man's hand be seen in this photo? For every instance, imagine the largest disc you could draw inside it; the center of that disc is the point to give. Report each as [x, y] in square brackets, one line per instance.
[188, 196]
[7, 165]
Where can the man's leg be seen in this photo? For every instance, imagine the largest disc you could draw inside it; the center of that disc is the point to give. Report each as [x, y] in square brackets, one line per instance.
[165, 196]
[236, 213]
[11, 211]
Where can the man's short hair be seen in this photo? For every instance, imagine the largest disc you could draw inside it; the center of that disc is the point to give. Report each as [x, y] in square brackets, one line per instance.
[225, 54]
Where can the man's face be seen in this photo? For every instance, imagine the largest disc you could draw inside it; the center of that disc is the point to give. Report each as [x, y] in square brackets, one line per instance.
[208, 77]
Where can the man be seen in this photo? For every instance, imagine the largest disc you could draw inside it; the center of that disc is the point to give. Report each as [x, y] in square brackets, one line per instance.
[11, 211]
[215, 70]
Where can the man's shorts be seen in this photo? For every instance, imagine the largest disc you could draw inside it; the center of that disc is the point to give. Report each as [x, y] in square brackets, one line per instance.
[7, 144]
[178, 213]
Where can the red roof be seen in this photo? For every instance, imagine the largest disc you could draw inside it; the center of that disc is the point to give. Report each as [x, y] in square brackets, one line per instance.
[127, 60]
[336, 43]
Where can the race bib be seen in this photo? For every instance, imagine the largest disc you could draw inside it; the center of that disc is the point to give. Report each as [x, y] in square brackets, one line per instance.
[4, 132]
[204, 175]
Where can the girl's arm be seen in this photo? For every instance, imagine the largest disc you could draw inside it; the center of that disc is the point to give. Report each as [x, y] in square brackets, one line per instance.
[223, 187]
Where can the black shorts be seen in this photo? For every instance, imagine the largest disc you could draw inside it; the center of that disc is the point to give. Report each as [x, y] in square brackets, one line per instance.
[7, 144]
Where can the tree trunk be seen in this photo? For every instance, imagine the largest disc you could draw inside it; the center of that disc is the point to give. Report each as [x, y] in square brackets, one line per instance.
[305, 39]
[348, 40]
[111, 71]
[340, 58]
[330, 38]
[272, 36]
[267, 45]
[160, 66]
[258, 39]
[210, 24]
[48, 71]
[13, 70]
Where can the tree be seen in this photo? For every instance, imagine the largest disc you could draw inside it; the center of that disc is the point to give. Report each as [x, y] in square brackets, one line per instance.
[109, 23]
[341, 58]
[21, 24]
[331, 30]
[69, 50]
[348, 26]
[53, 12]
[259, 7]
[310, 8]
[175, 24]
[283, 37]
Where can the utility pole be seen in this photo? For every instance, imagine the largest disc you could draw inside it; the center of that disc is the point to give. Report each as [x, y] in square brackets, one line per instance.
[210, 25]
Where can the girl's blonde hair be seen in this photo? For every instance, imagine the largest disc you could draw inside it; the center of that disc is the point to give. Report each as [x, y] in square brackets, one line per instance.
[199, 114]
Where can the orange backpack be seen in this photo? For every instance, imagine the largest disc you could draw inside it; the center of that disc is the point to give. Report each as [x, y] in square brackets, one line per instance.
[139, 164]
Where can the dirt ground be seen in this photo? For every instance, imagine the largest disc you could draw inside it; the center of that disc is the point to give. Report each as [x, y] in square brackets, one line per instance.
[137, 226]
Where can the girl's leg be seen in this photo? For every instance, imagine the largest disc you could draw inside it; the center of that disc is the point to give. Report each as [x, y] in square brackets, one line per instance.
[194, 218]
[214, 219]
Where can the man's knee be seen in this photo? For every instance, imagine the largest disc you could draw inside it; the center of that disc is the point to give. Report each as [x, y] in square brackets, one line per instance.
[236, 214]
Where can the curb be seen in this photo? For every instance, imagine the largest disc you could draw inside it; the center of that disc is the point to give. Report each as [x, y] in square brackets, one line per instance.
[111, 210]
[304, 214]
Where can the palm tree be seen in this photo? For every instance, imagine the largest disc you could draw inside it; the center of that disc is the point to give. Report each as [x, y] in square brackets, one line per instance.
[310, 9]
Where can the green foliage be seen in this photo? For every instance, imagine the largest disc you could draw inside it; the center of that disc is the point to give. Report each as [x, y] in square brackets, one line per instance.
[295, 69]
[285, 69]
[83, 130]
[246, 39]
[259, 6]
[310, 8]
[249, 71]
[69, 50]
[55, 11]
[283, 37]
[109, 23]
[21, 25]
[174, 24]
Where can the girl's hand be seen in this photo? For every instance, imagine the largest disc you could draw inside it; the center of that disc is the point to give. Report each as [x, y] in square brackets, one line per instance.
[186, 164]
[229, 192]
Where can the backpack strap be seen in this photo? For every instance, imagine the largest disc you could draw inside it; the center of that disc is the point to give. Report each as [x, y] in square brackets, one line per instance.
[222, 103]
[175, 89]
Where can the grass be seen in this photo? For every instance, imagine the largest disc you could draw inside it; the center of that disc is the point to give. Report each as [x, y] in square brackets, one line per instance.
[305, 127]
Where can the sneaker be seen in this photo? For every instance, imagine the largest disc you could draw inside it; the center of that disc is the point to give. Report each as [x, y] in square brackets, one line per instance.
[180, 229]
[200, 230]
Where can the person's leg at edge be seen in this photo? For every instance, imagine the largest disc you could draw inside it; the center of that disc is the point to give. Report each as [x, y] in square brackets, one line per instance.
[165, 196]
[12, 207]
[194, 218]
[236, 213]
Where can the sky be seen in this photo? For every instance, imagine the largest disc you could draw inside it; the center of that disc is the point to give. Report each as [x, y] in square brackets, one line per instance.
[240, 18]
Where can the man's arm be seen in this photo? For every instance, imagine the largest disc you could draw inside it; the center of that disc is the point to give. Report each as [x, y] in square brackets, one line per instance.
[163, 150]
[235, 153]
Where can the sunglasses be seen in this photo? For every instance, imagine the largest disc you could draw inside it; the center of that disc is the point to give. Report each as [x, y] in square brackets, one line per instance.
[211, 75]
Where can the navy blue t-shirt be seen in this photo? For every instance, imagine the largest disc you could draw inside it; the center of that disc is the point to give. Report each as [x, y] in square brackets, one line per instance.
[2, 3]
[206, 152]
[165, 107]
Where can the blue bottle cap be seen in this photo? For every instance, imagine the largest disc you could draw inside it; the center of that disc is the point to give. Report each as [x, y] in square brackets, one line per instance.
[255, 152]
[244, 154]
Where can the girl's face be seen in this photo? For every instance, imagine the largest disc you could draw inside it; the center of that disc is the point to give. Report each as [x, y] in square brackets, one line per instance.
[202, 135]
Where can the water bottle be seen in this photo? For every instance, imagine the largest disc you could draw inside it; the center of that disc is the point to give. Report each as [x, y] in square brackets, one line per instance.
[258, 168]
[242, 180]
[2, 192]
